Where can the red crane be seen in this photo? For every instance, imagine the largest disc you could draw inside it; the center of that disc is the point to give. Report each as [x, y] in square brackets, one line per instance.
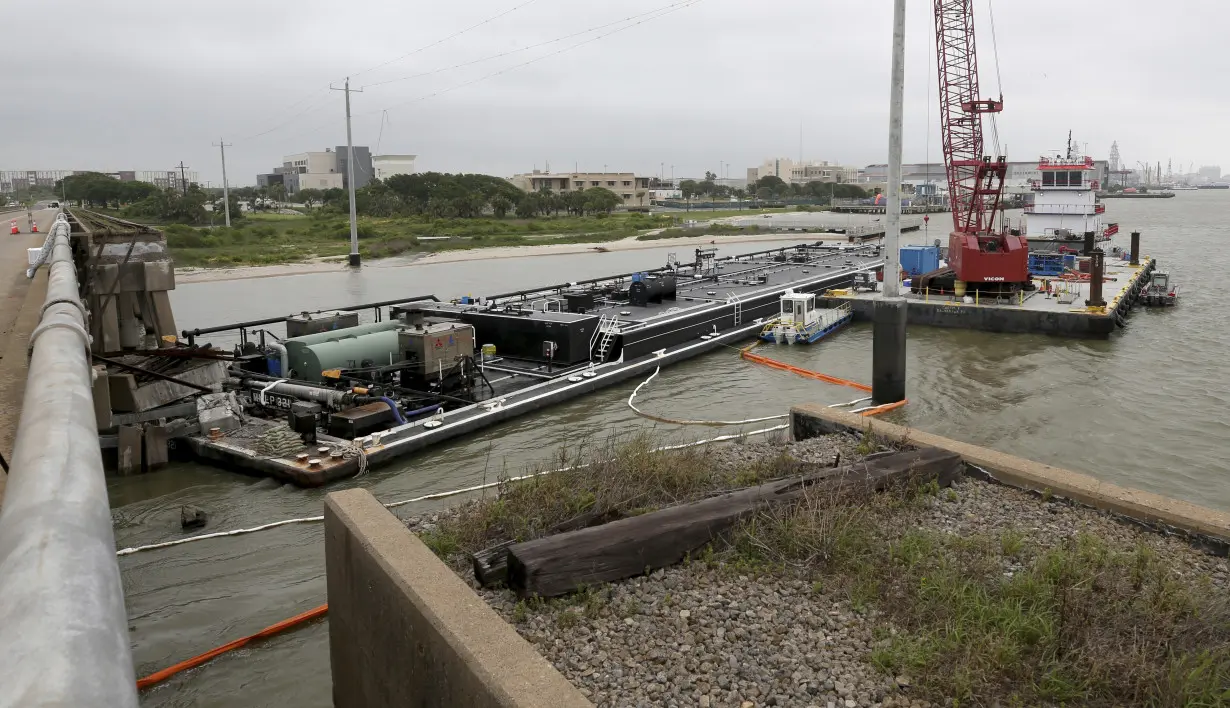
[979, 256]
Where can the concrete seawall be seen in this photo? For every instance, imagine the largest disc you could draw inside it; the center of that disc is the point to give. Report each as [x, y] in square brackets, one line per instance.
[1206, 526]
[404, 630]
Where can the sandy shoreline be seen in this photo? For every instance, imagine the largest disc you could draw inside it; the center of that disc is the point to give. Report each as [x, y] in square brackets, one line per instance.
[213, 275]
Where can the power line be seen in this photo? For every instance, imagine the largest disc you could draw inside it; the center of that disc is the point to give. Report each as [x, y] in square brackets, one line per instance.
[674, 8]
[532, 46]
[646, 17]
[383, 118]
[451, 36]
[321, 103]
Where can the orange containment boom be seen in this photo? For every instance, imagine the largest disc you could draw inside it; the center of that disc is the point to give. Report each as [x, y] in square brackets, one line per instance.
[877, 410]
[160, 676]
[747, 354]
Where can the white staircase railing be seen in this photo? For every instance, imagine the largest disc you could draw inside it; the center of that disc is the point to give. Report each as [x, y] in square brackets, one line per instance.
[604, 336]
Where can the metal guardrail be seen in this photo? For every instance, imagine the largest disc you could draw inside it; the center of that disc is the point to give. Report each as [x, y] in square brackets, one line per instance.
[63, 626]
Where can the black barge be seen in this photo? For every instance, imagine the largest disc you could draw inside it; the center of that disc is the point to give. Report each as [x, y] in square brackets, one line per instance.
[335, 395]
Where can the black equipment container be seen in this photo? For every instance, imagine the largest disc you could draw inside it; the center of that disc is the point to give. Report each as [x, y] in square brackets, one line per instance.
[580, 302]
[645, 289]
[518, 333]
[361, 420]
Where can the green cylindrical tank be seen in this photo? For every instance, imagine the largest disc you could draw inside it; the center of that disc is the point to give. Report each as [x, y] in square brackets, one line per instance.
[366, 345]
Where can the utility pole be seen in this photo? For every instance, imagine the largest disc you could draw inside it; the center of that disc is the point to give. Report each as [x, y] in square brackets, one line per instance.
[354, 219]
[889, 313]
[183, 180]
[226, 192]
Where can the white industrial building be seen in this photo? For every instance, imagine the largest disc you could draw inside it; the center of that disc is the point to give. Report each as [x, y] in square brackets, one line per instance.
[795, 172]
[387, 166]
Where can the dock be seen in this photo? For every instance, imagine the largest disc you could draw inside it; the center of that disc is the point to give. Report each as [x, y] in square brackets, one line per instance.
[880, 209]
[1060, 314]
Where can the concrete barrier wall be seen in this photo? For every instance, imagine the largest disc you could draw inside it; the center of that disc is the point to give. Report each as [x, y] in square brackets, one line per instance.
[1208, 524]
[404, 630]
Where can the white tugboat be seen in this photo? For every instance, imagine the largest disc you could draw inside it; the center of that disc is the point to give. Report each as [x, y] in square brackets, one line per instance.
[1065, 207]
[801, 322]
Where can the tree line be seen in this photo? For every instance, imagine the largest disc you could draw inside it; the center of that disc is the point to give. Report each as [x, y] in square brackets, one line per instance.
[769, 187]
[461, 196]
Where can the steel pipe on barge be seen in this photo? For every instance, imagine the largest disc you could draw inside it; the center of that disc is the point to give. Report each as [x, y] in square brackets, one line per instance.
[324, 396]
[63, 626]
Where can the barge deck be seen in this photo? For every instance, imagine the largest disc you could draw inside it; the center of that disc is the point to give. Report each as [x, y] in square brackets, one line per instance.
[1061, 314]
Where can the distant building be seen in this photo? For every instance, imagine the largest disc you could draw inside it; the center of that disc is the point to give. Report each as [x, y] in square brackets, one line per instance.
[309, 170]
[270, 179]
[363, 171]
[633, 190]
[385, 166]
[1211, 173]
[20, 180]
[168, 179]
[319, 170]
[792, 172]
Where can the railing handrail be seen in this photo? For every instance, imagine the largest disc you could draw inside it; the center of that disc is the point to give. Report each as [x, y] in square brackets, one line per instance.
[63, 626]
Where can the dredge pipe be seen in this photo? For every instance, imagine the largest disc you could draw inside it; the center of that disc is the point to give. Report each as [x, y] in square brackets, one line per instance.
[323, 396]
[63, 627]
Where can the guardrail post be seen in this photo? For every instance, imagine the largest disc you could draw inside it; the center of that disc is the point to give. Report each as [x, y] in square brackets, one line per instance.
[63, 626]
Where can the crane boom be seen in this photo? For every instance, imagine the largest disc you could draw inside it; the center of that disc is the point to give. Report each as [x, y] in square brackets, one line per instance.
[975, 180]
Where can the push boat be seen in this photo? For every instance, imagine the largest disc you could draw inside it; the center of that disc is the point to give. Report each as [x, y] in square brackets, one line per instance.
[801, 322]
[1065, 211]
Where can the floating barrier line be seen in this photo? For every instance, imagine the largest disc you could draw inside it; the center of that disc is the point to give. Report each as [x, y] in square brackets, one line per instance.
[806, 373]
[428, 497]
[159, 676]
[713, 423]
[877, 410]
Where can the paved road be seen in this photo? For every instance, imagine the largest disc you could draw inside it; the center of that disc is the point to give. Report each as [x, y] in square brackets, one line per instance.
[16, 320]
[13, 283]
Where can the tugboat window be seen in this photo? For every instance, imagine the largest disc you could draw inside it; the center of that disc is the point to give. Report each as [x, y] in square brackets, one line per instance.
[1061, 179]
[1048, 179]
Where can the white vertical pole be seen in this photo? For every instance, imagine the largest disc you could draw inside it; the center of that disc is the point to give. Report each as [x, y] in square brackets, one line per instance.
[354, 220]
[892, 210]
[226, 192]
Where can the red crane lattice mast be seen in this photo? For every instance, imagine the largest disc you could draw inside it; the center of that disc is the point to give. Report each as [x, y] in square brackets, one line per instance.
[975, 179]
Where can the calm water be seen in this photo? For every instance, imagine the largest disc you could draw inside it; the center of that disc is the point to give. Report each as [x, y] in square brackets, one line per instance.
[1143, 409]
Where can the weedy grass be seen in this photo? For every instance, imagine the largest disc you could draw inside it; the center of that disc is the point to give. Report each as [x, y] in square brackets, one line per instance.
[1009, 618]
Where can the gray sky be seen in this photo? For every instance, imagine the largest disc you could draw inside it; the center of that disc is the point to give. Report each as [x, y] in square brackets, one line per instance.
[142, 84]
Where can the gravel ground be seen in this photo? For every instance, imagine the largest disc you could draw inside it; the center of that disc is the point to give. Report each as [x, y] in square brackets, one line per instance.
[825, 449]
[694, 635]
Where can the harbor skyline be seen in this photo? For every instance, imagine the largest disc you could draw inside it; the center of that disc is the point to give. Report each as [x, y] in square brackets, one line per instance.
[577, 86]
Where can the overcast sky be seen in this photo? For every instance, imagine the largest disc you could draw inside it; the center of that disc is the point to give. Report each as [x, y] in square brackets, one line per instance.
[143, 84]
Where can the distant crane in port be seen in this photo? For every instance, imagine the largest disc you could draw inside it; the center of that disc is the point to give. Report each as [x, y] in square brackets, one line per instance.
[978, 255]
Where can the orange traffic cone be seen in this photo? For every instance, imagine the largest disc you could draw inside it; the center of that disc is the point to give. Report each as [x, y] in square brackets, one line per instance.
[13, 227]
[33, 227]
